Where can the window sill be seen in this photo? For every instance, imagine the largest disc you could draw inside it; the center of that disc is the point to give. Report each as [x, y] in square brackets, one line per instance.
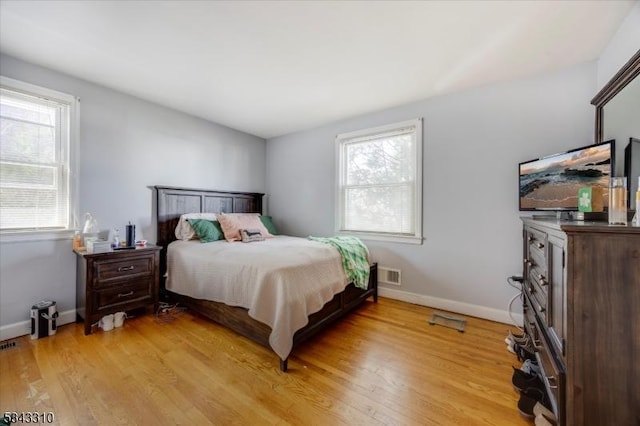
[30, 236]
[403, 239]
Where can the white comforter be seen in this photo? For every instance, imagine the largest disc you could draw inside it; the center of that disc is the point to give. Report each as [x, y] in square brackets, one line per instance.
[281, 280]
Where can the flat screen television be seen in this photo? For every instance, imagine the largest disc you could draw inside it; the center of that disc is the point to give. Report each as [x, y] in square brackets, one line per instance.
[552, 183]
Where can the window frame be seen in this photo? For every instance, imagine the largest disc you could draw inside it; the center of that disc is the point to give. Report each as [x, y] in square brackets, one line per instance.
[345, 138]
[70, 152]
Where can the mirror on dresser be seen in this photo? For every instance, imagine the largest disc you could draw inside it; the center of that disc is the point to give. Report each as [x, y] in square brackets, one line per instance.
[618, 117]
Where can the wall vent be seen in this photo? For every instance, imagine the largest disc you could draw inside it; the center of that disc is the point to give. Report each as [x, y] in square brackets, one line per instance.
[389, 276]
[7, 345]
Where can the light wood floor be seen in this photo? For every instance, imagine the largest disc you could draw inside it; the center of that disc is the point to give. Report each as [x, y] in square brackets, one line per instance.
[383, 364]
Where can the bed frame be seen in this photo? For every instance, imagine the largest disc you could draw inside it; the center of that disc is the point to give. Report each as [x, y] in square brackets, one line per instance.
[173, 202]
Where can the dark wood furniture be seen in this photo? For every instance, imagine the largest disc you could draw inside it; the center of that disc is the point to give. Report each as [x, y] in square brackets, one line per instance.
[173, 202]
[581, 295]
[623, 77]
[116, 281]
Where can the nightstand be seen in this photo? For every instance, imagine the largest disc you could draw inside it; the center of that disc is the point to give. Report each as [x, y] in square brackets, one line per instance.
[116, 281]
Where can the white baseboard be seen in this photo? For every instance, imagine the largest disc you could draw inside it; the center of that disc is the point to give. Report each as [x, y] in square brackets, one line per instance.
[451, 306]
[22, 328]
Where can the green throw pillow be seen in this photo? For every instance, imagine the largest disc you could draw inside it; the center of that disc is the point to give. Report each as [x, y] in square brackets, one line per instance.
[207, 230]
[268, 223]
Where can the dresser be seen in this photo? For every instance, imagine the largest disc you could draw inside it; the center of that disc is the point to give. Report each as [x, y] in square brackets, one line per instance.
[581, 306]
[116, 281]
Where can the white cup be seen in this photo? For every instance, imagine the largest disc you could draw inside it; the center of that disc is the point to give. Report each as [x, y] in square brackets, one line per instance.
[106, 322]
[118, 319]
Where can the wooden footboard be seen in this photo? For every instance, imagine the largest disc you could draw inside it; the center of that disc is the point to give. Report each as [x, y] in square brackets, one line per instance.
[238, 319]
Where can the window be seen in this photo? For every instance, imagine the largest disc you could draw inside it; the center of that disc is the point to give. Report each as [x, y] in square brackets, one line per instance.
[379, 191]
[36, 140]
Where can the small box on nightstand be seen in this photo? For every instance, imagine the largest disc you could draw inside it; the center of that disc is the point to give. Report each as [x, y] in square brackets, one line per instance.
[98, 246]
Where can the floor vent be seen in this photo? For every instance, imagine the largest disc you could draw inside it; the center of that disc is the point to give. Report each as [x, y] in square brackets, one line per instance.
[7, 345]
[389, 276]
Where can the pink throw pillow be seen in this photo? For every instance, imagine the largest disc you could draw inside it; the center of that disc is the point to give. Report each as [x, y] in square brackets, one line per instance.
[232, 223]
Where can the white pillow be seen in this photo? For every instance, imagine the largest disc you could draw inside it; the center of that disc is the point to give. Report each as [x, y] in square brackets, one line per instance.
[184, 231]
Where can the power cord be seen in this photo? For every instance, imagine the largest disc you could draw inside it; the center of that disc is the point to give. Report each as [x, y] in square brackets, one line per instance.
[515, 281]
[168, 312]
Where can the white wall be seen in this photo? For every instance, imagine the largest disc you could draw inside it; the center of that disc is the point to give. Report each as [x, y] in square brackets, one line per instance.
[621, 115]
[622, 46]
[473, 142]
[127, 145]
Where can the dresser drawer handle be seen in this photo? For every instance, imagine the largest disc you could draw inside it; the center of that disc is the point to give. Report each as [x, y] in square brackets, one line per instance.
[126, 268]
[125, 294]
[552, 382]
[540, 309]
[543, 280]
[540, 245]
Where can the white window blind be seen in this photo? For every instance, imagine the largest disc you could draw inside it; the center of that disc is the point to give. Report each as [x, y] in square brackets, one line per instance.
[380, 181]
[35, 143]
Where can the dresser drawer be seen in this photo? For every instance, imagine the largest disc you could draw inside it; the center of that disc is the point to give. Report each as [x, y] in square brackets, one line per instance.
[553, 373]
[538, 271]
[529, 319]
[538, 299]
[130, 291]
[535, 264]
[123, 268]
[537, 242]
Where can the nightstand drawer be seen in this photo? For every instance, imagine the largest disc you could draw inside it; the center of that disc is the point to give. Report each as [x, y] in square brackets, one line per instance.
[110, 269]
[134, 290]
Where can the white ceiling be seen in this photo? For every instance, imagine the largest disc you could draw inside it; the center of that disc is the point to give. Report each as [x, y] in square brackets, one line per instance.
[274, 67]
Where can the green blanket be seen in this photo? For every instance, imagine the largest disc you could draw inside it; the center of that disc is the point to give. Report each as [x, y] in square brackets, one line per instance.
[354, 258]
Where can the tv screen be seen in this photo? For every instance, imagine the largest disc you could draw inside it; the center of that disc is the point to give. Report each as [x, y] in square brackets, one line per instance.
[552, 182]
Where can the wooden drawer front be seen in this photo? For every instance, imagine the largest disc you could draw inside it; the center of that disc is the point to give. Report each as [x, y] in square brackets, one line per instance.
[553, 374]
[121, 268]
[537, 298]
[539, 274]
[537, 243]
[530, 319]
[131, 291]
[535, 265]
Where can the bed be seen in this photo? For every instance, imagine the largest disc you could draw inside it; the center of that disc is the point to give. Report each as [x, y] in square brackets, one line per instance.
[172, 202]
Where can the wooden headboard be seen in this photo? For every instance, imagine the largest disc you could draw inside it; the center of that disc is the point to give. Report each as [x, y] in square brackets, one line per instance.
[173, 202]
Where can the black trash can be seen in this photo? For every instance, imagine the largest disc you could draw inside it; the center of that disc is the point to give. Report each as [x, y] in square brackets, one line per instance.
[43, 319]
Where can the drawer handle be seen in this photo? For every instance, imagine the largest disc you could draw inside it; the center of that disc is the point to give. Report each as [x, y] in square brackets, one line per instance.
[552, 382]
[528, 262]
[540, 245]
[540, 309]
[126, 268]
[125, 294]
